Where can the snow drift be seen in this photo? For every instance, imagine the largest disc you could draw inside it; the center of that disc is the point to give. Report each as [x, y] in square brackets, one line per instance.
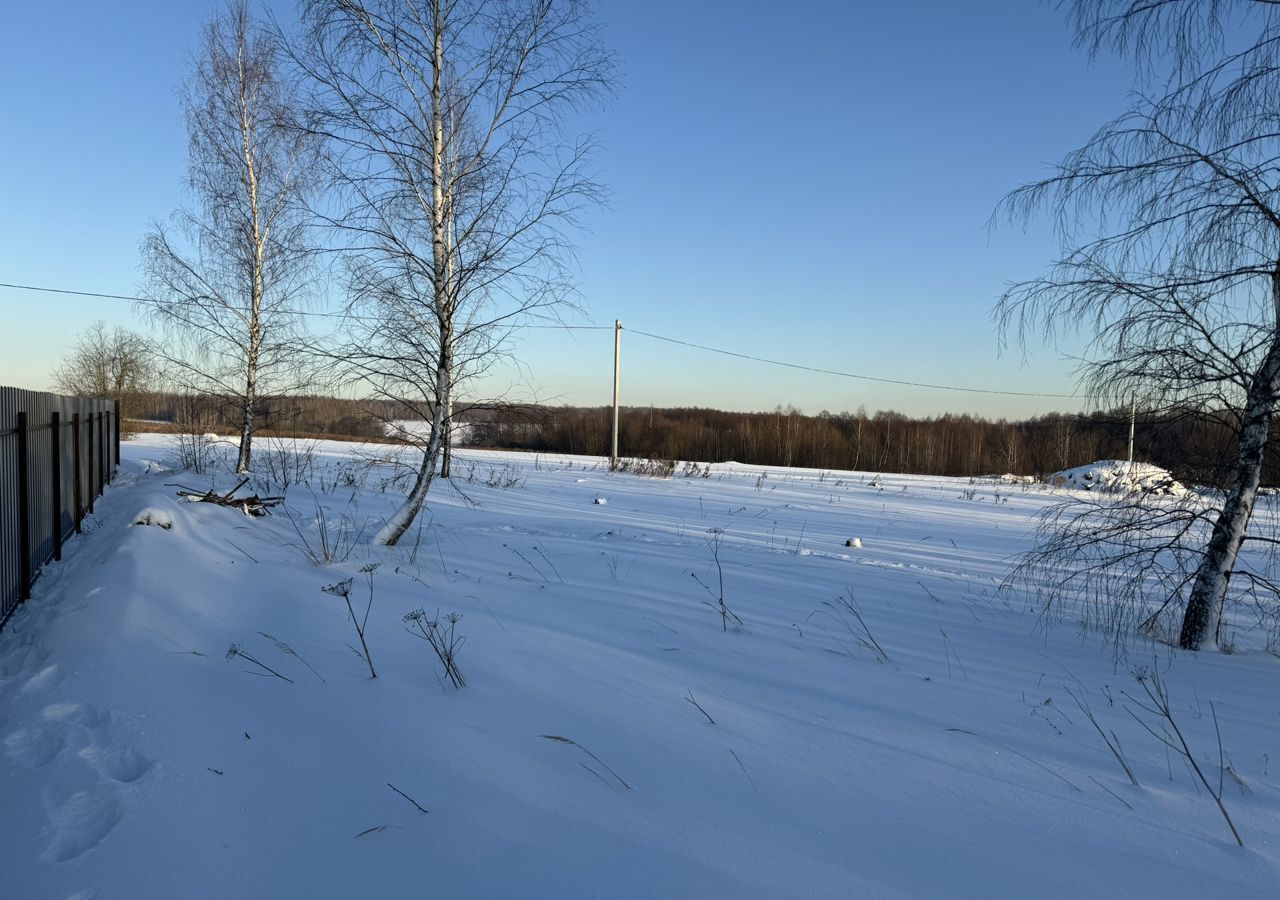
[614, 739]
[1119, 477]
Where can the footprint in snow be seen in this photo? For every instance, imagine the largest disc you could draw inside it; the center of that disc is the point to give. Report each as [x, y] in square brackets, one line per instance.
[83, 714]
[23, 660]
[105, 748]
[93, 753]
[79, 817]
[46, 678]
[35, 745]
[124, 764]
[79, 821]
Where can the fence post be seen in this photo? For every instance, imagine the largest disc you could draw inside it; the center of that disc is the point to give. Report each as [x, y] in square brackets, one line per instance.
[24, 509]
[104, 467]
[55, 477]
[115, 417]
[97, 448]
[76, 465]
[88, 446]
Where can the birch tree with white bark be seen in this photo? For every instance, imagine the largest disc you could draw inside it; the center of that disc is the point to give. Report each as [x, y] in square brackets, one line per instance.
[226, 279]
[1170, 218]
[456, 186]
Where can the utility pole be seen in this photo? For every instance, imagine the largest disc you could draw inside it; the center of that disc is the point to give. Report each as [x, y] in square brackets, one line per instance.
[617, 354]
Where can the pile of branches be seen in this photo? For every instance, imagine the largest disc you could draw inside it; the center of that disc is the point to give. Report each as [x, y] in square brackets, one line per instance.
[250, 506]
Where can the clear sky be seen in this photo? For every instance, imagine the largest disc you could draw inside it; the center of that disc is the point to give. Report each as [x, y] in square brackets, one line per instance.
[806, 181]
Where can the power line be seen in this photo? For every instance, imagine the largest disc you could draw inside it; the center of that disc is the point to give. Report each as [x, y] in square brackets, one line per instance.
[293, 312]
[803, 368]
[152, 300]
[49, 290]
[656, 337]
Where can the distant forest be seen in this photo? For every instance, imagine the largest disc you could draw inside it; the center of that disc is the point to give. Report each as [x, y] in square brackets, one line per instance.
[1193, 446]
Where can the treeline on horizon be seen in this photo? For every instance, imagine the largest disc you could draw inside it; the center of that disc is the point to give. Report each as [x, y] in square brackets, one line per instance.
[1191, 445]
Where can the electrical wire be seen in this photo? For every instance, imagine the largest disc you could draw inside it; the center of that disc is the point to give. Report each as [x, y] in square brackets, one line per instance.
[293, 312]
[804, 368]
[656, 337]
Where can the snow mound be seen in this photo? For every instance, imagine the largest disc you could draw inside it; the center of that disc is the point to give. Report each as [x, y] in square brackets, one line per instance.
[152, 516]
[1009, 478]
[1118, 476]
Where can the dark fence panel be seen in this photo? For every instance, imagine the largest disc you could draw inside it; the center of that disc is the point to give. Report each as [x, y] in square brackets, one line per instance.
[52, 465]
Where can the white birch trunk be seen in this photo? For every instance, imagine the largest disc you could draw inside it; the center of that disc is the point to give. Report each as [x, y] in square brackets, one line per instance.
[1203, 619]
[257, 286]
[391, 533]
[400, 521]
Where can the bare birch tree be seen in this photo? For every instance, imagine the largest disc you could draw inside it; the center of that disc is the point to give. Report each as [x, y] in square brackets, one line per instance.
[1170, 217]
[113, 363]
[227, 280]
[457, 185]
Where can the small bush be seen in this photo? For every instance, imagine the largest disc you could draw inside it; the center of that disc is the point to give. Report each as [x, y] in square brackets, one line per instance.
[332, 542]
[443, 638]
[285, 461]
[647, 468]
[503, 477]
[197, 452]
[851, 630]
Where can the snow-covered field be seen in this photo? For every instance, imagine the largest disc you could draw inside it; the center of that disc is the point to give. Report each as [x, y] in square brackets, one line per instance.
[412, 429]
[884, 722]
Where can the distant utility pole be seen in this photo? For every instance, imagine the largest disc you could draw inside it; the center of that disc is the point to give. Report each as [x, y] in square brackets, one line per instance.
[617, 375]
[1133, 419]
[617, 354]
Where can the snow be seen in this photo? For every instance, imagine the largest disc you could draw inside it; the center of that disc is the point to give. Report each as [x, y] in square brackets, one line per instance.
[1118, 476]
[612, 739]
[419, 430]
[1010, 478]
[161, 518]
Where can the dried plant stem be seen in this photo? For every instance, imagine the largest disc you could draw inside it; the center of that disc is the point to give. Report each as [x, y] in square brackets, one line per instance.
[564, 740]
[419, 806]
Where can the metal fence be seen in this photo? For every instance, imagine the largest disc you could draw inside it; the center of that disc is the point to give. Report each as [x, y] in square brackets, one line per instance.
[56, 455]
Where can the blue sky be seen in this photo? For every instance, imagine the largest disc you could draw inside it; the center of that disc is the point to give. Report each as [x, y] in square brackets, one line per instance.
[808, 182]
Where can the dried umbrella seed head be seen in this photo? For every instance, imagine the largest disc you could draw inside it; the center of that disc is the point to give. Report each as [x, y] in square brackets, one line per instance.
[445, 641]
[341, 589]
